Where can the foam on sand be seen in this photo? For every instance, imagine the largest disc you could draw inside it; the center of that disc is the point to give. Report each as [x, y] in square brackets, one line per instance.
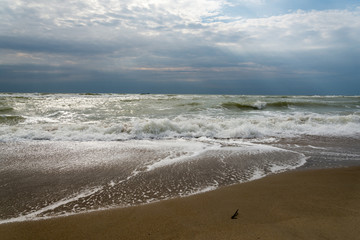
[120, 174]
[37, 215]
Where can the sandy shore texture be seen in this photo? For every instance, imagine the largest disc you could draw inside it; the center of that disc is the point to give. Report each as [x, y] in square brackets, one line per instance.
[313, 204]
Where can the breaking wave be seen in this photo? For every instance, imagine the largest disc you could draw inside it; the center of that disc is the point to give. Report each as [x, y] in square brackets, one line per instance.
[11, 120]
[107, 117]
[259, 105]
[182, 127]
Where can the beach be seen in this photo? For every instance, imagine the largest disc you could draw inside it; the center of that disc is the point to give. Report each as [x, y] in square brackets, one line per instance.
[156, 166]
[310, 204]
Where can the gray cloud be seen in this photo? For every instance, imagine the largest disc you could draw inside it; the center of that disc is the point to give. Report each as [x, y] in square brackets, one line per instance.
[161, 44]
[55, 46]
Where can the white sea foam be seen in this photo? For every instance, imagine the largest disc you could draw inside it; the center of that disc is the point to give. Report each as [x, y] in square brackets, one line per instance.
[36, 215]
[203, 190]
[67, 156]
[188, 127]
[277, 168]
[257, 174]
[163, 154]
[106, 117]
[196, 149]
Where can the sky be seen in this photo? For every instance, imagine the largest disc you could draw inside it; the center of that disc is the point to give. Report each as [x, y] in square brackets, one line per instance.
[283, 47]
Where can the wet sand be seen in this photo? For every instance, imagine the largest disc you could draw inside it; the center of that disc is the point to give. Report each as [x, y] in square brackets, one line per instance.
[312, 204]
[42, 179]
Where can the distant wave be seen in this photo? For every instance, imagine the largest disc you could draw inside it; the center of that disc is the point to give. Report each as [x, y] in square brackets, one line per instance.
[258, 105]
[309, 104]
[90, 94]
[190, 104]
[242, 106]
[6, 109]
[11, 120]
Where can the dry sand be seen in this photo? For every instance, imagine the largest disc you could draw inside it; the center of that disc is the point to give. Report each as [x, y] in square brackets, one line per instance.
[315, 204]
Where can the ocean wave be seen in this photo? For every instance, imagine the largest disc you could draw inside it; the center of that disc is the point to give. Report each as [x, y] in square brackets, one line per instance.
[184, 127]
[260, 105]
[110, 117]
[243, 106]
[11, 120]
[6, 110]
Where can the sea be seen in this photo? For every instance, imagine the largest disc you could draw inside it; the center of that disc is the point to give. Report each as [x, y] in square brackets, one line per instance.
[64, 154]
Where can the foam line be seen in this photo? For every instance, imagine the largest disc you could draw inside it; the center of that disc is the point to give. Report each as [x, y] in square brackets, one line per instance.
[34, 215]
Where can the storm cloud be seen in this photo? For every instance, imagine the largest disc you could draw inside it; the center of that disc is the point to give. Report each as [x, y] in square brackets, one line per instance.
[201, 46]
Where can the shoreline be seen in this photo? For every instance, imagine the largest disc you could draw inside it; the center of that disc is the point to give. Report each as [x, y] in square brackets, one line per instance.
[304, 204]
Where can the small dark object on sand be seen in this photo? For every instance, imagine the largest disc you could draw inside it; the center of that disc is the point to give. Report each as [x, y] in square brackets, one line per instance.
[235, 214]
